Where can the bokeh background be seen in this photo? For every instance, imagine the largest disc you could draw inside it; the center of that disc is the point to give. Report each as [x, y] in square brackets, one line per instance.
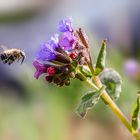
[35, 110]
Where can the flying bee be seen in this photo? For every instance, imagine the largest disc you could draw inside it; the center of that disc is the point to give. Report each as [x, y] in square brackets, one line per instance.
[11, 55]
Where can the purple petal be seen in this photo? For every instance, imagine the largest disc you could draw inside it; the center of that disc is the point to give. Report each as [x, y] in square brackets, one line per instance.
[54, 41]
[67, 41]
[65, 25]
[46, 53]
[40, 69]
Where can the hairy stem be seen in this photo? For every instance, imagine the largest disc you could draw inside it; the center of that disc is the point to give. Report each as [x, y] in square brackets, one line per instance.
[136, 135]
[111, 103]
[113, 106]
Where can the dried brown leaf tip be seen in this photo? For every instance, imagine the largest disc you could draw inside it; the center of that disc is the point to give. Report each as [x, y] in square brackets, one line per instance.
[82, 37]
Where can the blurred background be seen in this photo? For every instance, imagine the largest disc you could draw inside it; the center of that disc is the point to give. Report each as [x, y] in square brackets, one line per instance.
[33, 110]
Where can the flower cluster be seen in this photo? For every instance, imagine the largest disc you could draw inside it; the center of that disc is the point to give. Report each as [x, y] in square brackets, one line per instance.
[60, 57]
[67, 56]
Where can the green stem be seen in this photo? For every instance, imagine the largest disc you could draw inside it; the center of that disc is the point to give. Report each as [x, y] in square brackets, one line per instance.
[116, 109]
[112, 105]
[136, 135]
[110, 102]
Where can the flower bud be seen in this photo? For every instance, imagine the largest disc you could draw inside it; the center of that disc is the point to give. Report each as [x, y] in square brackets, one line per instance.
[73, 55]
[51, 71]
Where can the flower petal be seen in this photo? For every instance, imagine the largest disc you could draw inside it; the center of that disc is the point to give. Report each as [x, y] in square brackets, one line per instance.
[65, 25]
[40, 69]
[54, 41]
[46, 53]
[68, 41]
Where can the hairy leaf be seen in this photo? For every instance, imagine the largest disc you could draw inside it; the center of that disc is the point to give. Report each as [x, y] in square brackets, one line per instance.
[112, 80]
[135, 113]
[88, 101]
[100, 64]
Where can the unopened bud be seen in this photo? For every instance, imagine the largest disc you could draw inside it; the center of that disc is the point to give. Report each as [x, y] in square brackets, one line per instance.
[51, 71]
[73, 55]
[67, 82]
[72, 75]
[49, 79]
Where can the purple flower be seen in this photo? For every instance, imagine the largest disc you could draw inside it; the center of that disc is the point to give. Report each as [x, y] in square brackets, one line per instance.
[40, 69]
[47, 50]
[65, 25]
[46, 53]
[131, 67]
[67, 41]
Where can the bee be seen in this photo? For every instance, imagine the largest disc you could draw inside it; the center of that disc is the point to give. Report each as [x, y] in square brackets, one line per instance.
[11, 55]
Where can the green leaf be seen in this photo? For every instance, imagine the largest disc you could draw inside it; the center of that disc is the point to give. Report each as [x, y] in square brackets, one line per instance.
[112, 80]
[88, 101]
[86, 71]
[135, 113]
[100, 64]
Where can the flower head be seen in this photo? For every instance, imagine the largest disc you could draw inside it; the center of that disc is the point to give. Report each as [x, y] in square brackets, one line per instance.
[68, 39]
[65, 25]
[131, 67]
[60, 57]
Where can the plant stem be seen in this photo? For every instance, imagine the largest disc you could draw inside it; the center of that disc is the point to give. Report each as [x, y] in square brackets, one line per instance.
[136, 135]
[114, 107]
[111, 104]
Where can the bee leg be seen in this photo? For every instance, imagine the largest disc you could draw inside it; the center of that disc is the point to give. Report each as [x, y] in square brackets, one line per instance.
[23, 57]
[18, 59]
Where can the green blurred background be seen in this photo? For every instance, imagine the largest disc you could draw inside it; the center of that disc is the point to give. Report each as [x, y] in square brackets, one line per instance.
[32, 109]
